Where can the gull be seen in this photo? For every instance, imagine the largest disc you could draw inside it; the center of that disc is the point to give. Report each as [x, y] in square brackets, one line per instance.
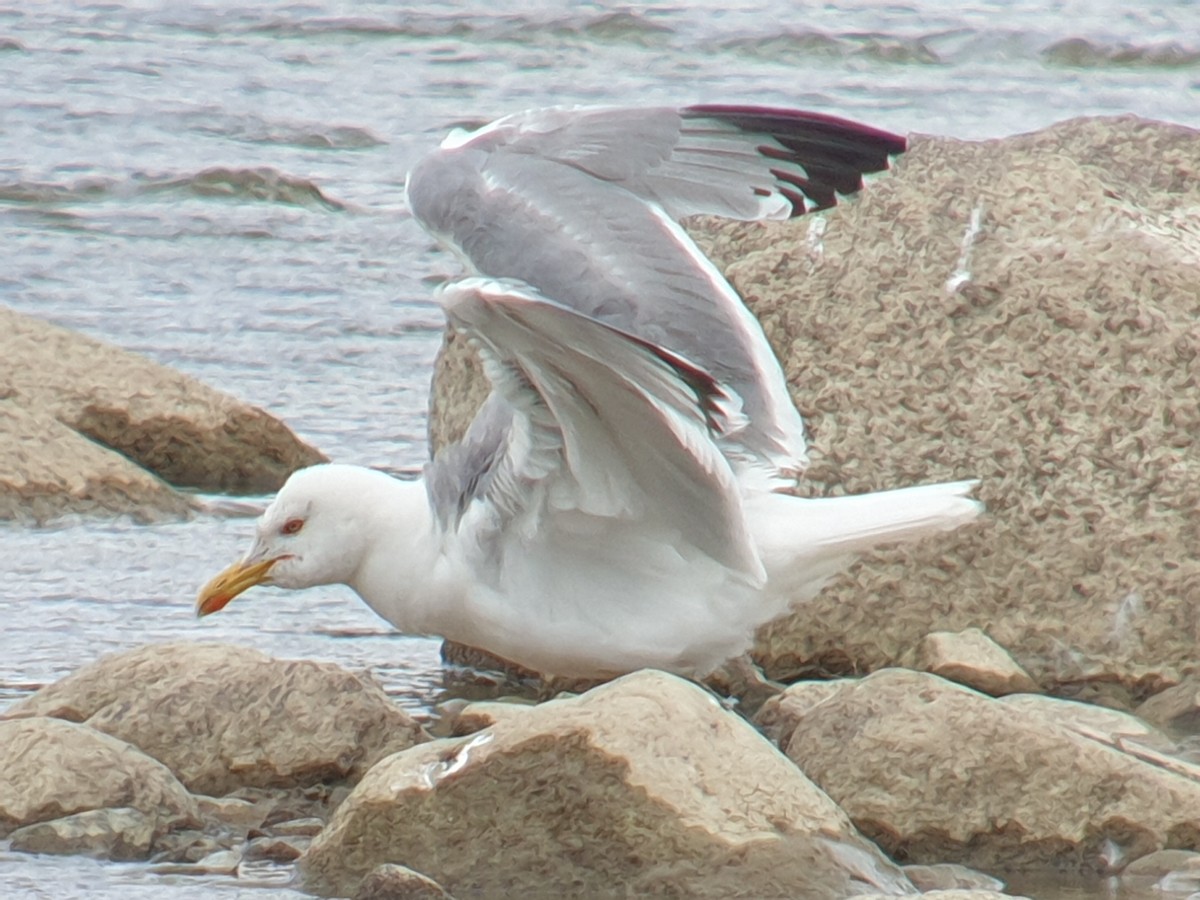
[620, 500]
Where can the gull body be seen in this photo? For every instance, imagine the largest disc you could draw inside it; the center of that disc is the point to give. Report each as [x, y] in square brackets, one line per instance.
[616, 503]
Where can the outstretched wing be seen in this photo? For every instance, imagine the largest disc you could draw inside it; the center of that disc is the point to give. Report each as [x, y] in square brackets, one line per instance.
[595, 422]
[582, 204]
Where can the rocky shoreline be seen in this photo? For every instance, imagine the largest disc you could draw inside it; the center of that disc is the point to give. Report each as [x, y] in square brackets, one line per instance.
[201, 757]
[1027, 314]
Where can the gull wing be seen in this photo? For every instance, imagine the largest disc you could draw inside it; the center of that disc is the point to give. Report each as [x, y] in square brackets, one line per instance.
[582, 205]
[587, 420]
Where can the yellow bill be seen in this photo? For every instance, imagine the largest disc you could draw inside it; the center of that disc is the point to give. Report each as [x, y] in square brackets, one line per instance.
[228, 584]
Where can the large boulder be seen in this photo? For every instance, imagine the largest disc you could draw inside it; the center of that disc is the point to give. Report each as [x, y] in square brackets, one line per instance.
[50, 769]
[641, 787]
[935, 772]
[1025, 311]
[86, 426]
[224, 717]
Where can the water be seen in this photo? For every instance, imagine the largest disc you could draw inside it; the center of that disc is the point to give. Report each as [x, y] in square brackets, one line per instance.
[221, 189]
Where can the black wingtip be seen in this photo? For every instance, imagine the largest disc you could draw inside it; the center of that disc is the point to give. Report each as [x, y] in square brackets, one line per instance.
[835, 153]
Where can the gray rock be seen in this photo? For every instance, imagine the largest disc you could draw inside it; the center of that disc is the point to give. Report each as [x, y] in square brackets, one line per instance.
[393, 882]
[642, 786]
[86, 426]
[50, 768]
[223, 717]
[936, 772]
[951, 877]
[305, 827]
[222, 862]
[117, 834]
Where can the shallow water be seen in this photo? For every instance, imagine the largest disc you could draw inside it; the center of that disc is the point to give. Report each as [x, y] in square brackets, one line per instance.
[221, 189]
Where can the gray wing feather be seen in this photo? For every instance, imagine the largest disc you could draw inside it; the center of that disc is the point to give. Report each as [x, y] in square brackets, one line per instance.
[581, 204]
[601, 423]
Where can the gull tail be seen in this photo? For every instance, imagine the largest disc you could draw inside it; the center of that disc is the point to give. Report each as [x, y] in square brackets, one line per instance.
[805, 541]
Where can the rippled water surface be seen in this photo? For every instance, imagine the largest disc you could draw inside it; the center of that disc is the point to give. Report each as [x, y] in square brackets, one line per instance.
[220, 188]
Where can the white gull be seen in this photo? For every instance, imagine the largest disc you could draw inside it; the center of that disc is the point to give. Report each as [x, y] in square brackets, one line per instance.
[616, 502]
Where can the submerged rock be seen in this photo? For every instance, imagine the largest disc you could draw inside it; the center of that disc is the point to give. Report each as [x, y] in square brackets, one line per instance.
[51, 769]
[224, 717]
[642, 786]
[936, 772]
[117, 834]
[89, 427]
[1025, 311]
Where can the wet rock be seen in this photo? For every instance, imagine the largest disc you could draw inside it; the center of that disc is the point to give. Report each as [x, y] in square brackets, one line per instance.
[276, 849]
[951, 877]
[393, 882]
[222, 862]
[190, 846]
[117, 834]
[50, 769]
[1021, 310]
[86, 427]
[972, 658]
[641, 786]
[1177, 707]
[223, 717]
[936, 772]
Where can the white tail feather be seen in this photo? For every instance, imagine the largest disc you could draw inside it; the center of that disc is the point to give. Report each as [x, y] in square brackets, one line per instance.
[804, 541]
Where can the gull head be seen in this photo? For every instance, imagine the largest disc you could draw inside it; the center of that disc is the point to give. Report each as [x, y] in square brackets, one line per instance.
[315, 532]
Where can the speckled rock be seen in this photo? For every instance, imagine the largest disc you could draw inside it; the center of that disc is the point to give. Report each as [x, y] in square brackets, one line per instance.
[117, 834]
[392, 882]
[84, 423]
[50, 768]
[936, 772]
[951, 877]
[642, 786]
[1111, 726]
[972, 658]
[223, 717]
[778, 717]
[1025, 311]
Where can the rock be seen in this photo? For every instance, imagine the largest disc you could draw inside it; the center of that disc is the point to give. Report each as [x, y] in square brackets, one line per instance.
[951, 877]
[1177, 707]
[972, 658]
[223, 717]
[1108, 725]
[276, 849]
[1051, 349]
[778, 717]
[393, 882]
[50, 769]
[222, 862]
[49, 470]
[643, 786]
[233, 811]
[117, 834]
[1161, 863]
[305, 827]
[190, 846]
[956, 894]
[472, 717]
[86, 427]
[936, 772]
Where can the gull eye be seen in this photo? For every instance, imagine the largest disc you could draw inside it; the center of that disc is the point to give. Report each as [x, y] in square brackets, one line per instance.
[291, 526]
